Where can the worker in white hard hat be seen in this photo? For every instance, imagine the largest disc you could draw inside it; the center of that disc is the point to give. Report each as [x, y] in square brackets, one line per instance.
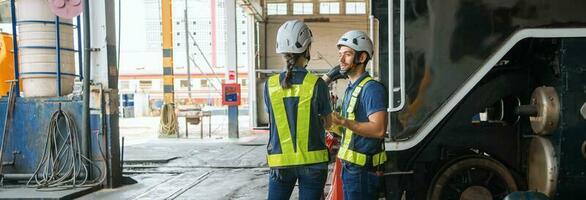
[298, 106]
[362, 120]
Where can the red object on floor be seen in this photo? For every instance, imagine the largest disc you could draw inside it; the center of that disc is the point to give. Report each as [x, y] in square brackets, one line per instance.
[259, 131]
[336, 191]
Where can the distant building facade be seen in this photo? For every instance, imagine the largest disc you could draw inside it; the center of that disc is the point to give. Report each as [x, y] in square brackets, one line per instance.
[141, 54]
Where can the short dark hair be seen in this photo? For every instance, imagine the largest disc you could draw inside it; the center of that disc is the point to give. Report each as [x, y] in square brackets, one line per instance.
[357, 57]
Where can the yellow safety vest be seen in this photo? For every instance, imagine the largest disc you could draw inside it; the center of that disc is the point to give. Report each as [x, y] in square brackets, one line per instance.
[288, 155]
[348, 154]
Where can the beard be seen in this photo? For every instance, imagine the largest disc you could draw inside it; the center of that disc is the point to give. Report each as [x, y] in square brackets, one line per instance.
[349, 70]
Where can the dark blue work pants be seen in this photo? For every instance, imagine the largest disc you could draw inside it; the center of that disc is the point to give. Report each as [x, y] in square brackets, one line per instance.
[359, 182]
[311, 182]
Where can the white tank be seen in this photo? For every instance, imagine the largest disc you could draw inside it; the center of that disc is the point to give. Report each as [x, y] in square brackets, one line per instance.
[37, 53]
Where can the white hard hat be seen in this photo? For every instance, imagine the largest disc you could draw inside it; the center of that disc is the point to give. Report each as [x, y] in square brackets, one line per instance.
[358, 41]
[293, 37]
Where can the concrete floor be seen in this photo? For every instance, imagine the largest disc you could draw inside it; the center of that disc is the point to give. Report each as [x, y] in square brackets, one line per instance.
[197, 169]
[183, 168]
[193, 168]
[20, 192]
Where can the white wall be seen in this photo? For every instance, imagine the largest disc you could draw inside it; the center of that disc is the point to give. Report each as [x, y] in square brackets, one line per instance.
[141, 104]
[325, 36]
[6, 28]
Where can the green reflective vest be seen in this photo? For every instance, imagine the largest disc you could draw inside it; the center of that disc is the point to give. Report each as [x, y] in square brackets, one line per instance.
[346, 152]
[300, 155]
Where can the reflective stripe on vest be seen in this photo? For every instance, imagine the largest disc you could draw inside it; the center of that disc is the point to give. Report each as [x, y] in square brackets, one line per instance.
[347, 154]
[288, 155]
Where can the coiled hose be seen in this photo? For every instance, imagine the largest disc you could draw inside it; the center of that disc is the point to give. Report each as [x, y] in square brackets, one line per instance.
[63, 165]
[169, 124]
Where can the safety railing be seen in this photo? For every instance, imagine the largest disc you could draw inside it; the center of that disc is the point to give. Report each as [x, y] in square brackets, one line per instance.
[391, 78]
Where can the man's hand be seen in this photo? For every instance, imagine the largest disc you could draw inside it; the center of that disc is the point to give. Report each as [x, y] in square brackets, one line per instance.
[333, 75]
[374, 128]
[337, 119]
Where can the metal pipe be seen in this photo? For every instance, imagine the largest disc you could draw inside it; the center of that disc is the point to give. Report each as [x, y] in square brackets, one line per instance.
[17, 176]
[58, 52]
[122, 154]
[15, 46]
[86, 81]
[187, 52]
[7, 123]
[79, 48]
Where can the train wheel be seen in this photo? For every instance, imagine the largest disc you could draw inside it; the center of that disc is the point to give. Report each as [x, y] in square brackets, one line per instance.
[472, 178]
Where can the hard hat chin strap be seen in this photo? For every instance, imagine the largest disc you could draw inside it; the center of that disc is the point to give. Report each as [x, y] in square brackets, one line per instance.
[357, 57]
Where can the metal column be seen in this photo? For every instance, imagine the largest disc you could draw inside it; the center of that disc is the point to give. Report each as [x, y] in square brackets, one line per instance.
[15, 45]
[252, 70]
[112, 99]
[168, 117]
[167, 23]
[85, 50]
[231, 62]
[104, 72]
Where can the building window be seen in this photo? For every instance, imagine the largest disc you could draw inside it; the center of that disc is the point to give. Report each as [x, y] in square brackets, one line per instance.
[329, 8]
[184, 84]
[153, 33]
[302, 8]
[145, 84]
[204, 83]
[124, 85]
[244, 82]
[355, 8]
[276, 8]
[5, 12]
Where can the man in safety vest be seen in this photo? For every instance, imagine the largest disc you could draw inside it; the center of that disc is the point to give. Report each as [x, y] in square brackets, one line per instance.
[299, 110]
[363, 120]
